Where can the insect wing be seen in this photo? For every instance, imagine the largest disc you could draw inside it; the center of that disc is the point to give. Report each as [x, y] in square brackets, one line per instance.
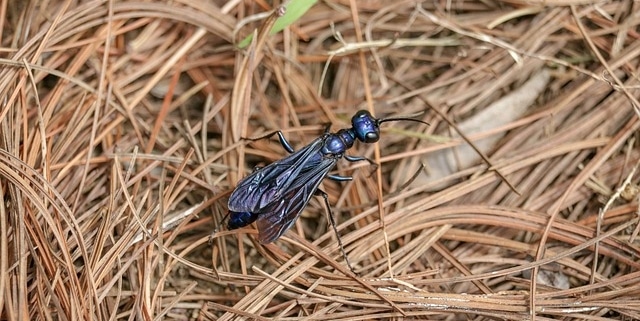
[268, 184]
[279, 216]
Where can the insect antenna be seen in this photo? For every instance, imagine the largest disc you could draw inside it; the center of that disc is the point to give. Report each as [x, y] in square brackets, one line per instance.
[400, 118]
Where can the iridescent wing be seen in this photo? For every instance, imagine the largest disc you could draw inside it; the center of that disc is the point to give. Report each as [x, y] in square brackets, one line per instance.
[268, 184]
[276, 218]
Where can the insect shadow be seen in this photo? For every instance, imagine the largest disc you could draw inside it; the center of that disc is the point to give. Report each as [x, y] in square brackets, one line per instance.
[274, 196]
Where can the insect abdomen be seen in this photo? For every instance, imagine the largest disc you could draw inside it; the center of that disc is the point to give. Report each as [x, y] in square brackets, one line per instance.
[241, 219]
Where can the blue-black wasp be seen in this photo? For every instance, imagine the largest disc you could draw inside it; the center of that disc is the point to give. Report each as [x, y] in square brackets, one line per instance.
[275, 195]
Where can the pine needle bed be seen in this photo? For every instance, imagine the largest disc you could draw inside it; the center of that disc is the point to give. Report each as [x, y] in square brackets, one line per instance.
[121, 131]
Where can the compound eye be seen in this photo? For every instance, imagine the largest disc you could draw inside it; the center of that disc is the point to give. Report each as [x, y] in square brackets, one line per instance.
[371, 137]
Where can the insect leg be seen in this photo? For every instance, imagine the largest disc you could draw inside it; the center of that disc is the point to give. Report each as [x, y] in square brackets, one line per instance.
[339, 178]
[360, 158]
[283, 141]
[335, 228]
[215, 230]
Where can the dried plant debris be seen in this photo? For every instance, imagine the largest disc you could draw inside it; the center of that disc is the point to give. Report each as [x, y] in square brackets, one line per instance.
[121, 139]
[500, 113]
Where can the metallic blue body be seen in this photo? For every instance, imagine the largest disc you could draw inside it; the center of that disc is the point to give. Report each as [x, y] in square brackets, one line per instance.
[275, 195]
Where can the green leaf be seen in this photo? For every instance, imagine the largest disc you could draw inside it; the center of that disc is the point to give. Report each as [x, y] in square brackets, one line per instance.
[295, 10]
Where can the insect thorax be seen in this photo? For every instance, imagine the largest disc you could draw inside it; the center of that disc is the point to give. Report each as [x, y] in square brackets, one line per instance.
[338, 143]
